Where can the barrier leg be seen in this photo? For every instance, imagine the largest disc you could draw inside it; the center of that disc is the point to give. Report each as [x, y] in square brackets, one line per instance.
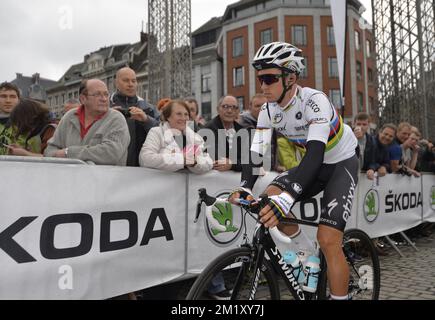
[408, 240]
[392, 244]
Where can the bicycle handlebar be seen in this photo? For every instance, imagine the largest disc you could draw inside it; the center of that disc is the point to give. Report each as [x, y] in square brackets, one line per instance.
[211, 201]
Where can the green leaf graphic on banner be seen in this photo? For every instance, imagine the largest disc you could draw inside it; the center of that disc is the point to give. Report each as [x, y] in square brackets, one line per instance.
[223, 213]
[371, 205]
[433, 196]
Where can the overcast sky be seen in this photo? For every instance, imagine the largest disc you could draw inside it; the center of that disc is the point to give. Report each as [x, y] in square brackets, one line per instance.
[48, 36]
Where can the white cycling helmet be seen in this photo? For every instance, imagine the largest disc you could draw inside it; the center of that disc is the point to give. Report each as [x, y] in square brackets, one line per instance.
[279, 55]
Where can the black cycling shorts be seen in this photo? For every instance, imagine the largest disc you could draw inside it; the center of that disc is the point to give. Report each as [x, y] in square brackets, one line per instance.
[338, 182]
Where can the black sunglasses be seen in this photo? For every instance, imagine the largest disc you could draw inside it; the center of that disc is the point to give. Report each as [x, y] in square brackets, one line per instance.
[269, 79]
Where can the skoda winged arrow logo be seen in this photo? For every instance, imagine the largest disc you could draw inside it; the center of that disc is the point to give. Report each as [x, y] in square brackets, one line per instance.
[227, 216]
[371, 205]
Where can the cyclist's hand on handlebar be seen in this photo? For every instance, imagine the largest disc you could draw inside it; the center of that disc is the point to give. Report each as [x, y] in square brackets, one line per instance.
[278, 208]
[240, 193]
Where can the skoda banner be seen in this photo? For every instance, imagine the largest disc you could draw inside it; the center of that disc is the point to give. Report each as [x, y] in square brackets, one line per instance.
[392, 206]
[429, 198]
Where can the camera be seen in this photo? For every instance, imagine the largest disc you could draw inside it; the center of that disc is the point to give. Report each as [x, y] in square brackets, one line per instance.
[125, 112]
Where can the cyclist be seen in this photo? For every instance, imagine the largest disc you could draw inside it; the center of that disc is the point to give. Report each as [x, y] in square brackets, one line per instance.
[306, 117]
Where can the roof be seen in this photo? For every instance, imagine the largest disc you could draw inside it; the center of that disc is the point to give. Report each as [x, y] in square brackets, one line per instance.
[213, 23]
[33, 87]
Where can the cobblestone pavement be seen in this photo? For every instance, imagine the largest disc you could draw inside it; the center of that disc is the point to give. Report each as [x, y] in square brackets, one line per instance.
[411, 277]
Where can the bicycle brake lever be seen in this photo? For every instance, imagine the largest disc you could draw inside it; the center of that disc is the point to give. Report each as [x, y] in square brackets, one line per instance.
[198, 210]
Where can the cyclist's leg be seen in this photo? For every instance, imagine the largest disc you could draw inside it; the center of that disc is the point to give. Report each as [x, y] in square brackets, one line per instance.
[330, 240]
[338, 198]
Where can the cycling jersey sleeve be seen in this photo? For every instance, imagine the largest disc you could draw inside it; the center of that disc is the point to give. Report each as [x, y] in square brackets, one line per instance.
[319, 113]
[263, 132]
[260, 144]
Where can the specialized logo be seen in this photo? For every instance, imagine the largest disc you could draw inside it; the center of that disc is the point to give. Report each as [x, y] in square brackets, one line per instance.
[230, 220]
[278, 118]
[331, 206]
[371, 205]
[299, 115]
[297, 188]
[432, 198]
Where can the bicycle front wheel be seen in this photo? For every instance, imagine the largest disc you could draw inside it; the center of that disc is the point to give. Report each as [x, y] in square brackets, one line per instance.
[365, 271]
[237, 268]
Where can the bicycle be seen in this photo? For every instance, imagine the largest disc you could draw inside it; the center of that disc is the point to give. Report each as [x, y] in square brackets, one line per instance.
[251, 270]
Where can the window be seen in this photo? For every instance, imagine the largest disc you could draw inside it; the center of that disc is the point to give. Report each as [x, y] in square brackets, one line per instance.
[205, 78]
[241, 103]
[335, 96]
[357, 40]
[330, 36]
[206, 110]
[370, 75]
[299, 35]
[369, 48]
[238, 76]
[332, 67]
[237, 47]
[371, 105]
[358, 71]
[266, 36]
[304, 73]
[205, 82]
[360, 102]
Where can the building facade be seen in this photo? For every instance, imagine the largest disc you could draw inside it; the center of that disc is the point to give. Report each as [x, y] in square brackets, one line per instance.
[224, 47]
[101, 64]
[33, 87]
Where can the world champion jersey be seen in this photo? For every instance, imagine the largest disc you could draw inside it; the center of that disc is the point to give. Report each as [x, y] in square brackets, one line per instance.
[304, 119]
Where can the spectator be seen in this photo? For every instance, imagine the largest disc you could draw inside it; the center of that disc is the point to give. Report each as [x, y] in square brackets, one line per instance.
[225, 128]
[9, 98]
[93, 132]
[70, 104]
[249, 118]
[395, 151]
[194, 113]
[28, 131]
[173, 145]
[410, 149]
[426, 160]
[365, 141]
[379, 160]
[141, 116]
[162, 104]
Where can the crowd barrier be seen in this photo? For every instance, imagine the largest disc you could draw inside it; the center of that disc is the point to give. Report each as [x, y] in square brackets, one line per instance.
[75, 231]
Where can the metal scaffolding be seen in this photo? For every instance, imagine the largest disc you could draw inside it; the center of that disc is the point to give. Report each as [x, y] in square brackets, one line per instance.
[405, 45]
[169, 49]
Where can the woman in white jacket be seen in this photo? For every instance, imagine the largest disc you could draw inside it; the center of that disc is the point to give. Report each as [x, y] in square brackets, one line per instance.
[173, 145]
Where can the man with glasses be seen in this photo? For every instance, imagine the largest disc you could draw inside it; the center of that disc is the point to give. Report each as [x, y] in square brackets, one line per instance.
[306, 117]
[91, 132]
[225, 149]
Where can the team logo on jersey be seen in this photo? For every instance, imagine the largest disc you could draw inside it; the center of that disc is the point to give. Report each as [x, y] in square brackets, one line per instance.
[299, 115]
[371, 205]
[278, 118]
